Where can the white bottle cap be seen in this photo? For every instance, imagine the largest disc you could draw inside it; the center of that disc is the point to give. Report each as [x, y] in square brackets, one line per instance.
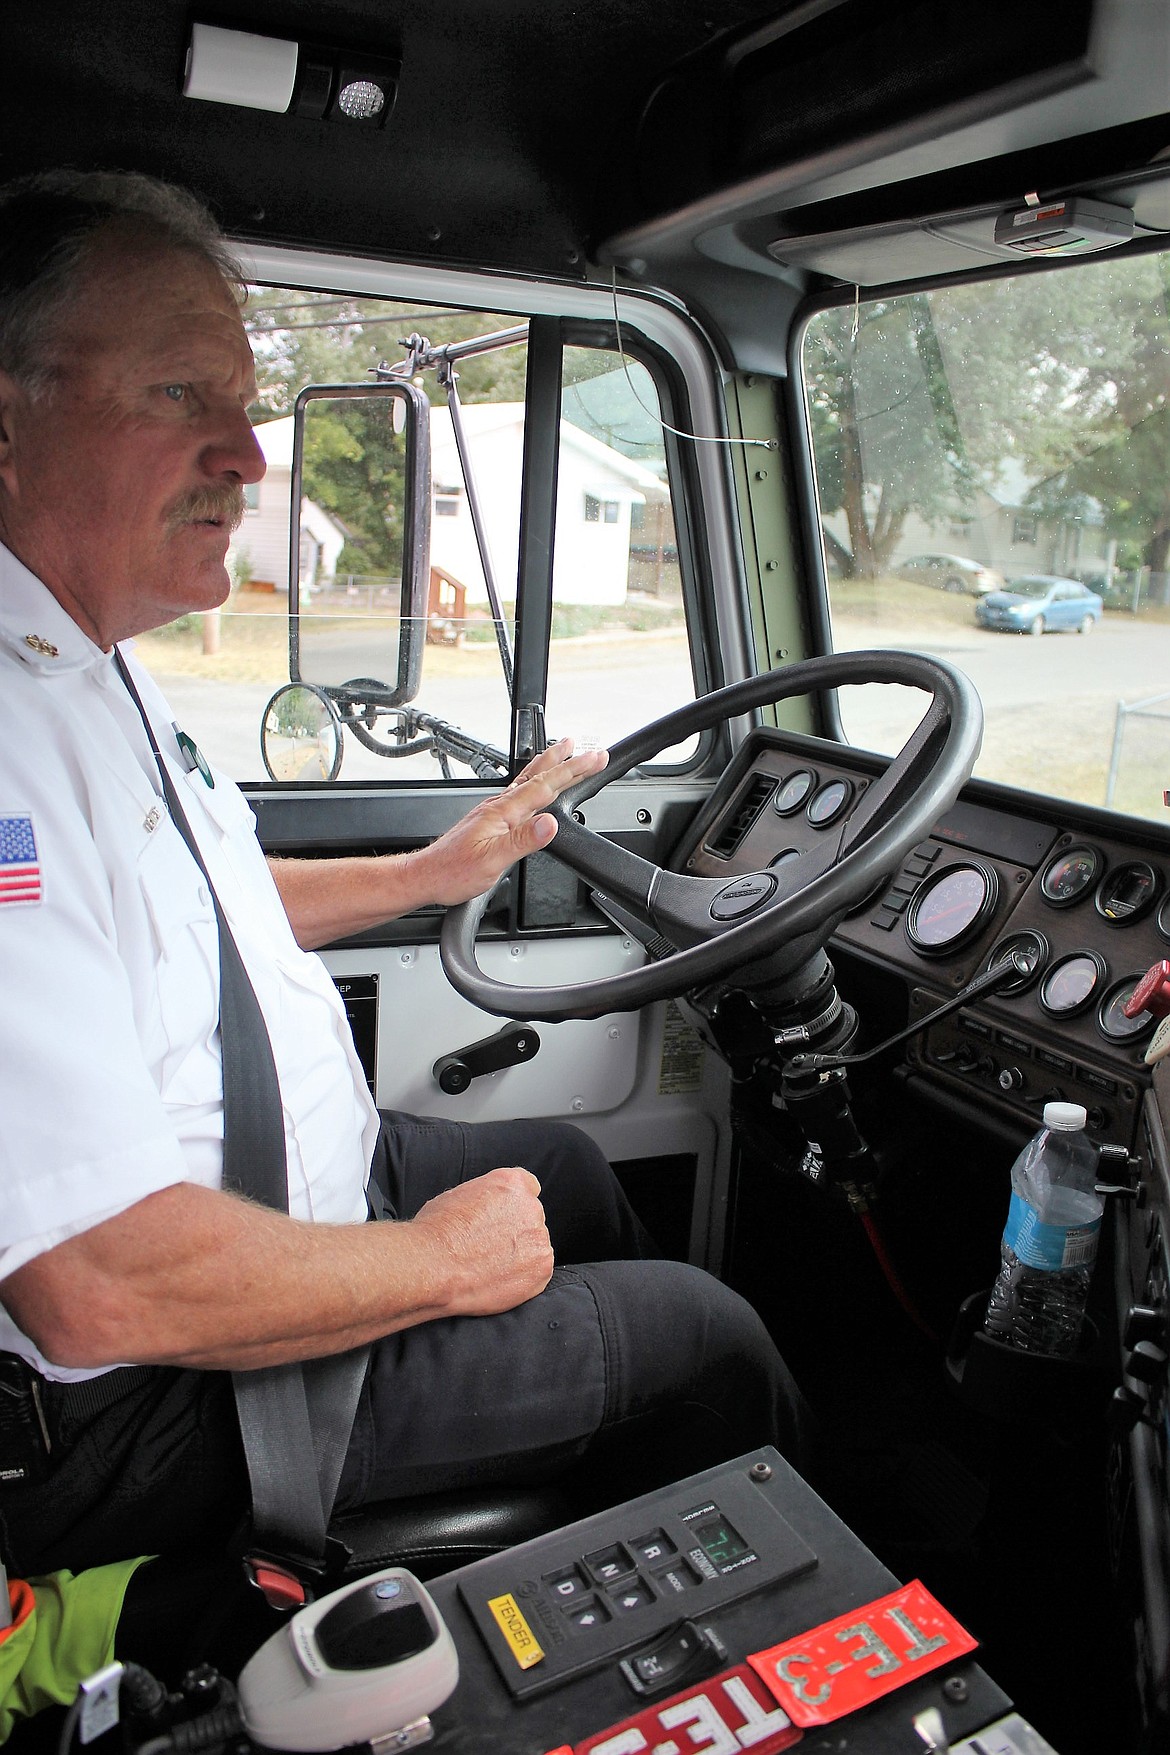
[1064, 1116]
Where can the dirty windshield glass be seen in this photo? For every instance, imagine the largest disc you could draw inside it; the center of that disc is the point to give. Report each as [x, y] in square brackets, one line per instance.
[993, 473]
[620, 653]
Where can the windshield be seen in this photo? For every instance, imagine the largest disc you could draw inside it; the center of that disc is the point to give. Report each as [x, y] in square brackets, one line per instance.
[1004, 430]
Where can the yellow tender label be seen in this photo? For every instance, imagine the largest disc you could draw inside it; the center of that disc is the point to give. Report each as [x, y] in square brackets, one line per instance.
[521, 1639]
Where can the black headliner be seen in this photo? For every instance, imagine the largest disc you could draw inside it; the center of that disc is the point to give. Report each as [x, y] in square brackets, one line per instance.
[520, 142]
[506, 116]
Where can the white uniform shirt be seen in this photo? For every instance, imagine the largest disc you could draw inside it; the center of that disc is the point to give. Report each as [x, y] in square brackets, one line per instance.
[111, 1084]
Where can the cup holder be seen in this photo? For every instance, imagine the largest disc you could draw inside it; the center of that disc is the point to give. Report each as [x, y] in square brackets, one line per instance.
[1027, 1389]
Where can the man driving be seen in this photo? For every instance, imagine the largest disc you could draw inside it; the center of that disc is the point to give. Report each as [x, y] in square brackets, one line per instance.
[518, 1317]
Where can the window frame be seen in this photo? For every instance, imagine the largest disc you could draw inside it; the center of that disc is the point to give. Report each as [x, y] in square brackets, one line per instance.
[689, 381]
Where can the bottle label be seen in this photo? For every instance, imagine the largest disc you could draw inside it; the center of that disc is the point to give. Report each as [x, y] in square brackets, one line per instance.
[1048, 1246]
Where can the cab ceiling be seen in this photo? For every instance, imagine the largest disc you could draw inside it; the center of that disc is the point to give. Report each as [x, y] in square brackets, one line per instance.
[731, 152]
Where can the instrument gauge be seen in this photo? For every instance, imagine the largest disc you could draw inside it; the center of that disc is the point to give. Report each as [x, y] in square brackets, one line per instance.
[950, 906]
[793, 792]
[1163, 920]
[1029, 945]
[1111, 1019]
[1070, 875]
[825, 806]
[1070, 984]
[1125, 893]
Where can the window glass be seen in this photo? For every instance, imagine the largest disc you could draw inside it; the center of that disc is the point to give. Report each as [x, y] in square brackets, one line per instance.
[619, 655]
[220, 670]
[976, 449]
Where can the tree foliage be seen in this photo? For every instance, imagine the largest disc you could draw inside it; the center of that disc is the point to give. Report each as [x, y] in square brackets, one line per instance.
[354, 464]
[1058, 380]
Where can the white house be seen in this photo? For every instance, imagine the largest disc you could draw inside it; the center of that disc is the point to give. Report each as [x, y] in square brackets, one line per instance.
[262, 539]
[597, 489]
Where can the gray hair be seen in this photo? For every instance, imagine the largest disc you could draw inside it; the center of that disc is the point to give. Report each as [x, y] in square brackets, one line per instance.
[50, 224]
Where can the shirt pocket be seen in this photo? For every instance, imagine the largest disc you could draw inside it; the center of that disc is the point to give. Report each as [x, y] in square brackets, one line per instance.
[176, 988]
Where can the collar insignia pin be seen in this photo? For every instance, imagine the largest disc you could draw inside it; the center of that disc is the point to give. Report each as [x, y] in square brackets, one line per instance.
[46, 648]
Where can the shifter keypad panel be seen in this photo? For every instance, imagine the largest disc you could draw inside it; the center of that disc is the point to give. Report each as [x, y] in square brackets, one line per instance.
[576, 1599]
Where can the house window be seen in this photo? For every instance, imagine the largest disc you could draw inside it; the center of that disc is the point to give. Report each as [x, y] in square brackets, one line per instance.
[447, 501]
[592, 509]
[1024, 530]
[609, 511]
[251, 496]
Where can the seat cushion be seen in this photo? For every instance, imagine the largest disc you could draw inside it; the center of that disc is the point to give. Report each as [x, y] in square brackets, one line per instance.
[436, 1532]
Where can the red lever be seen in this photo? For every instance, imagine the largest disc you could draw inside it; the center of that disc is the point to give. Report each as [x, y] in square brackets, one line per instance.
[1152, 993]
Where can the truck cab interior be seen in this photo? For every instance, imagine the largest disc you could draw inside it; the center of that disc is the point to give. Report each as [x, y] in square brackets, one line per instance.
[777, 394]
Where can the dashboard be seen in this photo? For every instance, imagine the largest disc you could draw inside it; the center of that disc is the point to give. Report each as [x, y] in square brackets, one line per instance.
[1086, 898]
[1086, 906]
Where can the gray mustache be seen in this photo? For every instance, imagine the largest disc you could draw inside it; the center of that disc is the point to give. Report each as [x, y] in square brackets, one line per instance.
[226, 504]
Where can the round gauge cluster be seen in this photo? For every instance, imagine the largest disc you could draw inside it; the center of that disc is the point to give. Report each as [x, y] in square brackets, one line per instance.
[951, 906]
[822, 803]
[1121, 894]
[1071, 985]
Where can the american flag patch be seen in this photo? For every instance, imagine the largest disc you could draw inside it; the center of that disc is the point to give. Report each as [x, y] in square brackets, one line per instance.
[20, 869]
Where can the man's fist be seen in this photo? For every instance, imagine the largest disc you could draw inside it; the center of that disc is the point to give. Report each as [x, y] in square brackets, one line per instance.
[490, 1243]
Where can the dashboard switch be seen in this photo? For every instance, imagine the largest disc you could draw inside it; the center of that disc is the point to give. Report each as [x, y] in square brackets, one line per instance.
[1152, 993]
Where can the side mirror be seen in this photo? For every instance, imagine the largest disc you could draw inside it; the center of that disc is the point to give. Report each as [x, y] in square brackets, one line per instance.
[361, 482]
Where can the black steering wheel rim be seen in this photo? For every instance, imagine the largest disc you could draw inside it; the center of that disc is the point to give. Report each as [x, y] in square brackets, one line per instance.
[944, 746]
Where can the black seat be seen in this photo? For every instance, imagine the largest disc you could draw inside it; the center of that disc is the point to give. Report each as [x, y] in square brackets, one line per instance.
[436, 1532]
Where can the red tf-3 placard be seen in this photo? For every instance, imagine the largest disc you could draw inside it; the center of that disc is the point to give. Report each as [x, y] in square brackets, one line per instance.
[730, 1711]
[857, 1658]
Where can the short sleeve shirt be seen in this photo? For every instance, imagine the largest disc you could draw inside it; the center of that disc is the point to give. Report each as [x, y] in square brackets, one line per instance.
[111, 1084]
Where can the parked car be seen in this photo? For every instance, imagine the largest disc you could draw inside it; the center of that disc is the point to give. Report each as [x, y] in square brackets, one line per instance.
[1039, 601]
[955, 573]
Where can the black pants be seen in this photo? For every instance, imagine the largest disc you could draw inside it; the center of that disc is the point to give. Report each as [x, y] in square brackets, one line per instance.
[627, 1367]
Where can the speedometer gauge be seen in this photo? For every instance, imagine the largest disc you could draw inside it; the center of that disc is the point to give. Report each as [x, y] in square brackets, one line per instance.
[1069, 875]
[950, 906]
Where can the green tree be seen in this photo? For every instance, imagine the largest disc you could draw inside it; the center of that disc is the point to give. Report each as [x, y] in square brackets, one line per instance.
[918, 401]
[354, 464]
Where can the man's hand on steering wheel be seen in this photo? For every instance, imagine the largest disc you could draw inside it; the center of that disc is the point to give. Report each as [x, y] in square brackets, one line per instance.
[476, 852]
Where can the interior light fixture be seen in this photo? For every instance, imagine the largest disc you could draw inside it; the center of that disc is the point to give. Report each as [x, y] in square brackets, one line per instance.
[296, 79]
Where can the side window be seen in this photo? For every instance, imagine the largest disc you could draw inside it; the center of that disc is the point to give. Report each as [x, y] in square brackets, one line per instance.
[1029, 412]
[619, 647]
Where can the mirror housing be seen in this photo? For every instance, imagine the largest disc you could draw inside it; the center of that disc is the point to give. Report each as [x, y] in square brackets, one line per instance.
[319, 653]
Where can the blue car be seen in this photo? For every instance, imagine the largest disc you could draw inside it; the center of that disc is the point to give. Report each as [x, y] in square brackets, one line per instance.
[1038, 602]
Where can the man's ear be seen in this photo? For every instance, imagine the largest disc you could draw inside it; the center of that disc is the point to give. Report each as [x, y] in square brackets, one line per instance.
[11, 398]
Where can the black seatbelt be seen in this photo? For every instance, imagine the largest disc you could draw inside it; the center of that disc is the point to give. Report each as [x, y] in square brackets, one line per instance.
[287, 1413]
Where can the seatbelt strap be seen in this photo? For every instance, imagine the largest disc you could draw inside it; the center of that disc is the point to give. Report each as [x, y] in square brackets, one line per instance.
[287, 1413]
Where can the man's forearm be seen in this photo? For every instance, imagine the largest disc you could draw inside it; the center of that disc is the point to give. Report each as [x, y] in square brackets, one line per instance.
[191, 1276]
[328, 899]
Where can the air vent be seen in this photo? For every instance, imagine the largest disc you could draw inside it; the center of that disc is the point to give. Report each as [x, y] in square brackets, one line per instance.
[742, 815]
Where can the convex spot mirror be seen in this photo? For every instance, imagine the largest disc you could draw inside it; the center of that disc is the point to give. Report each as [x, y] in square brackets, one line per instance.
[360, 538]
[301, 735]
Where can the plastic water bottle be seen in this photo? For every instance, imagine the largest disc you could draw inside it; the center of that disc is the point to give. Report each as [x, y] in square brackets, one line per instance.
[1050, 1239]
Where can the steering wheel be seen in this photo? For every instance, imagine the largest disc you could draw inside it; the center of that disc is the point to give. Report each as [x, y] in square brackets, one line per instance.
[723, 924]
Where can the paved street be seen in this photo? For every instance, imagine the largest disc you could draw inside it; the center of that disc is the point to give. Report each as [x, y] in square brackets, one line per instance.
[1050, 703]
